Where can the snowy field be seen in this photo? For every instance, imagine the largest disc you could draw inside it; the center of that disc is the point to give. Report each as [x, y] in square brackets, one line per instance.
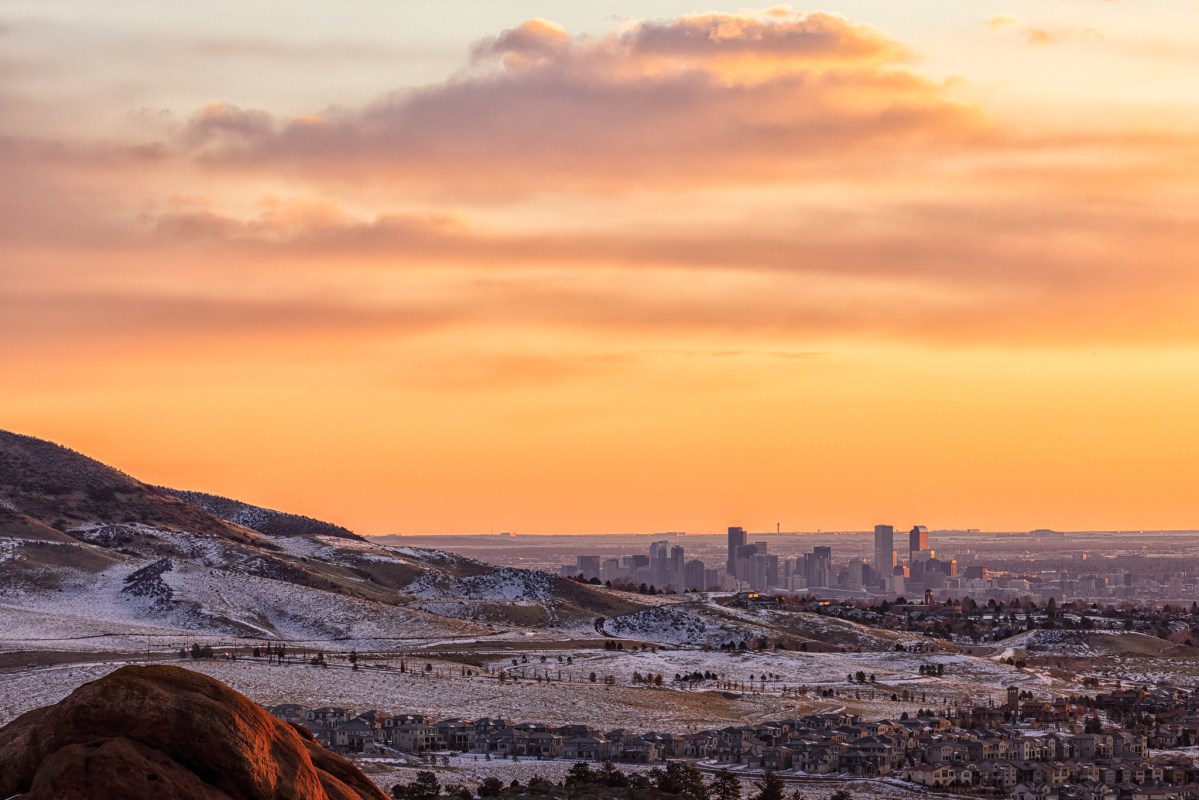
[444, 693]
[1147, 671]
[964, 676]
[570, 697]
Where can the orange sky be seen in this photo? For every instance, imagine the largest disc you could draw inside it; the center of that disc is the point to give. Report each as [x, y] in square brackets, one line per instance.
[589, 272]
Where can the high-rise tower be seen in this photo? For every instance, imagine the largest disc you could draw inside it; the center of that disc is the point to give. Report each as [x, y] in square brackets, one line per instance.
[736, 539]
[917, 541]
[884, 549]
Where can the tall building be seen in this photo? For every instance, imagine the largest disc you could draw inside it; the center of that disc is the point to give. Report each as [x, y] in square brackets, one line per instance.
[742, 557]
[659, 563]
[712, 579]
[610, 569]
[757, 572]
[917, 541]
[677, 578]
[588, 566]
[818, 565]
[884, 549]
[855, 575]
[736, 539]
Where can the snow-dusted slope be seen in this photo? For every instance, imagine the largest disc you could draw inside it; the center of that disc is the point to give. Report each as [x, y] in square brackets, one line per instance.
[83, 544]
[1084, 644]
[136, 580]
[682, 624]
[704, 622]
[257, 518]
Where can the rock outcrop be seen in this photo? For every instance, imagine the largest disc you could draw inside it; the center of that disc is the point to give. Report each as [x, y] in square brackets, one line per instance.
[165, 732]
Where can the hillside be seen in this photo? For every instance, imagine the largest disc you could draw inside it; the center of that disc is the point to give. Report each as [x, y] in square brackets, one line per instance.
[61, 489]
[256, 518]
[1091, 644]
[706, 623]
[91, 557]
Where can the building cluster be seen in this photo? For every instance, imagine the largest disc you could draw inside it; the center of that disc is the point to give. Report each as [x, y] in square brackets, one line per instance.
[665, 567]
[346, 732]
[900, 563]
[752, 566]
[1055, 759]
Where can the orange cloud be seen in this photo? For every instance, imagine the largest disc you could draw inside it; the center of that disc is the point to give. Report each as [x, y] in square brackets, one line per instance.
[224, 124]
[715, 99]
[892, 202]
[1041, 35]
[779, 40]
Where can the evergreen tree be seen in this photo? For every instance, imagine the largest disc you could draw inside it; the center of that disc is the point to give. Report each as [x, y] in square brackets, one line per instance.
[725, 786]
[611, 776]
[580, 774]
[770, 787]
[425, 787]
[682, 779]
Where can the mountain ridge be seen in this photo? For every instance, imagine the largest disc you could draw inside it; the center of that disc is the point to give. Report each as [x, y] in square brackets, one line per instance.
[93, 547]
[259, 518]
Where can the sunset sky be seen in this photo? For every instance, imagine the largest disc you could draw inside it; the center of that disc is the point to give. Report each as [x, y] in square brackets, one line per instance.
[612, 266]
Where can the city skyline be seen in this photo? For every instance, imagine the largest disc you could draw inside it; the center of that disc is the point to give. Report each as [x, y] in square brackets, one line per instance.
[580, 267]
[940, 567]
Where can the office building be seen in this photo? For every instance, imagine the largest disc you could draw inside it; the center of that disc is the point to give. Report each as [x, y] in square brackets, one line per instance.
[818, 565]
[917, 541]
[736, 539]
[884, 549]
[677, 578]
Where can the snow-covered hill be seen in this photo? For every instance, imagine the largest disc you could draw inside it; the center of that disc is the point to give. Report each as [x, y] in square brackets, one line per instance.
[257, 518]
[85, 547]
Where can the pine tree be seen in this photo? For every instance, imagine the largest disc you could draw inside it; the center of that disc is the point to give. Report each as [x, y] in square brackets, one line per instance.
[725, 786]
[770, 787]
[689, 780]
[580, 774]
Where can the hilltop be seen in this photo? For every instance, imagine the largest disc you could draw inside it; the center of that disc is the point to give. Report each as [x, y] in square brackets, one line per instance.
[50, 486]
[86, 549]
[257, 518]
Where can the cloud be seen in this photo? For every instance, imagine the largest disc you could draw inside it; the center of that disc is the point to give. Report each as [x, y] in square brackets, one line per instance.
[106, 322]
[225, 124]
[306, 52]
[1043, 35]
[777, 39]
[707, 100]
[766, 173]
[526, 45]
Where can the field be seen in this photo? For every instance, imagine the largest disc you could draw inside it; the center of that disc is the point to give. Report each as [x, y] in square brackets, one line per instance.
[568, 696]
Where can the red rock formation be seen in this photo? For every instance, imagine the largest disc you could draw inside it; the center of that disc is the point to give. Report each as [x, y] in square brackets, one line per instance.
[165, 732]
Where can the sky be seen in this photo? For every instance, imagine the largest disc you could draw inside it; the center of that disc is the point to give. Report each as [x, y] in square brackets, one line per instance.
[612, 266]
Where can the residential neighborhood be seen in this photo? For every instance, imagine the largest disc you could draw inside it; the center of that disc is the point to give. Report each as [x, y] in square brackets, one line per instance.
[1025, 750]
